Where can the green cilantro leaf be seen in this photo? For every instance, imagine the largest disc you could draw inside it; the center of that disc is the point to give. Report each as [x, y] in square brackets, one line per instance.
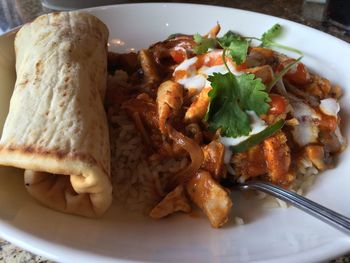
[270, 34]
[267, 39]
[253, 95]
[203, 44]
[236, 46]
[230, 98]
[226, 120]
[223, 111]
[229, 37]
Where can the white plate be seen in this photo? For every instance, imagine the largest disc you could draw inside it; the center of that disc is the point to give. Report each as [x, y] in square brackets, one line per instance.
[277, 235]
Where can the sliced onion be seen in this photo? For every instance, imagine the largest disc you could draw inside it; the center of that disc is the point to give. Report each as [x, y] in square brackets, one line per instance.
[307, 131]
[330, 107]
[298, 93]
[281, 88]
[193, 149]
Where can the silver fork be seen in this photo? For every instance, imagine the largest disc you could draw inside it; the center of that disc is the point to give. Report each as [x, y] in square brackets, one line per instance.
[325, 214]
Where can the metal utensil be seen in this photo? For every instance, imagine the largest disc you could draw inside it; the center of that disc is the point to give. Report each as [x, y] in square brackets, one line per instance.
[325, 214]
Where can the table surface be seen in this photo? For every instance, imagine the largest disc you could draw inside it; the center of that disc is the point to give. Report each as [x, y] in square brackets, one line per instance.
[16, 12]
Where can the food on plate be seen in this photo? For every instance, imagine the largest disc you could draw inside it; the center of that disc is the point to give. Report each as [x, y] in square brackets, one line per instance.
[56, 128]
[171, 127]
[193, 113]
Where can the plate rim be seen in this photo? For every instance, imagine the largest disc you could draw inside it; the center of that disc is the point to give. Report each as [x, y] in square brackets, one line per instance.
[211, 6]
[343, 243]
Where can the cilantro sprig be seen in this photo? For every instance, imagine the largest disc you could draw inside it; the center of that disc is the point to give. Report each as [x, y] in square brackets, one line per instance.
[267, 39]
[237, 46]
[230, 98]
[203, 44]
[232, 43]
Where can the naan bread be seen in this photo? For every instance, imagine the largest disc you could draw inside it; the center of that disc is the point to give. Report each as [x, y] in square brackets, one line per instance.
[57, 128]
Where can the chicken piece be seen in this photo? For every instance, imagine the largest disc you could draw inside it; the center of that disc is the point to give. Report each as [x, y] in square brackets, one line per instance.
[149, 68]
[211, 197]
[316, 155]
[277, 155]
[336, 92]
[264, 72]
[214, 158]
[145, 107]
[199, 106]
[259, 56]
[162, 51]
[319, 87]
[169, 98]
[250, 163]
[173, 202]
[327, 122]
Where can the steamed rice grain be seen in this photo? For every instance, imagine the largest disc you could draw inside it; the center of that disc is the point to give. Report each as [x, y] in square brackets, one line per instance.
[139, 183]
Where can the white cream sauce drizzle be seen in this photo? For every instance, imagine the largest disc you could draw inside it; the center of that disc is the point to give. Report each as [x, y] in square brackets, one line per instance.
[194, 79]
[197, 79]
[256, 124]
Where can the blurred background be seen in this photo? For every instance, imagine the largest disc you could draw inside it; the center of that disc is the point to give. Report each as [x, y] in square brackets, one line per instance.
[331, 16]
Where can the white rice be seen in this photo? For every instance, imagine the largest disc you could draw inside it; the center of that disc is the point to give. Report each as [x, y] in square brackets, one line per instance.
[260, 195]
[305, 178]
[138, 182]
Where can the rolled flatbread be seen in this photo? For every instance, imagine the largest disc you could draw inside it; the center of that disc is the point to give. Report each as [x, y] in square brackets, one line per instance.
[56, 128]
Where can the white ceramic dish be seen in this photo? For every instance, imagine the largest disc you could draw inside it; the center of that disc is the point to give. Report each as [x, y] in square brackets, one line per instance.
[277, 235]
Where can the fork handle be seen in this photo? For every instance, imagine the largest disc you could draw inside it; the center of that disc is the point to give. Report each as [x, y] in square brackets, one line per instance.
[323, 213]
